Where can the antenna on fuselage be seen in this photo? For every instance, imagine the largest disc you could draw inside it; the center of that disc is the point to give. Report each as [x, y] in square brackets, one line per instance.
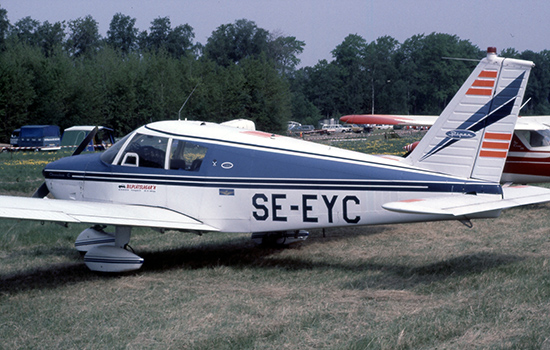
[460, 59]
[179, 112]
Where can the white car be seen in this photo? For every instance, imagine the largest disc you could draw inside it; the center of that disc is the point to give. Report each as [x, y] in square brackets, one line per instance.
[345, 128]
[330, 128]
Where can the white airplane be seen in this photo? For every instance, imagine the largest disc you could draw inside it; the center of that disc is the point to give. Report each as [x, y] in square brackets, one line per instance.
[191, 175]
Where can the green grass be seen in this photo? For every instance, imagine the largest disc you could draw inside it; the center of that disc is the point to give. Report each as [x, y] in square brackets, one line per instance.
[21, 172]
[434, 285]
[381, 142]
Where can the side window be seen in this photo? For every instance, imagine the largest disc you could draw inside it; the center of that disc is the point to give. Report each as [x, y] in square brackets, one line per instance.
[145, 151]
[539, 138]
[525, 134]
[186, 155]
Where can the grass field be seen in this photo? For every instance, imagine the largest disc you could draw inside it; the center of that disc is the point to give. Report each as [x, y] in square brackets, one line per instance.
[378, 142]
[415, 286]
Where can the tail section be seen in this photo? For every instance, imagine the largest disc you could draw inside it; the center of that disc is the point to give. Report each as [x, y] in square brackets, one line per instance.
[472, 136]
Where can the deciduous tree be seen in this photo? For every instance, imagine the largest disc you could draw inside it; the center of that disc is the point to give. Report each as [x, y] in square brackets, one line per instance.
[122, 34]
[84, 38]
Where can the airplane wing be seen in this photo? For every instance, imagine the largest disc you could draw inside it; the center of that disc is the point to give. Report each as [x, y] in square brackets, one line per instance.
[540, 122]
[57, 210]
[387, 119]
[466, 204]
[523, 123]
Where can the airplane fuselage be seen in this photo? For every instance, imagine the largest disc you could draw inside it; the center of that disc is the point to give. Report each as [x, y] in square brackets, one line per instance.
[527, 163]
[250, 181]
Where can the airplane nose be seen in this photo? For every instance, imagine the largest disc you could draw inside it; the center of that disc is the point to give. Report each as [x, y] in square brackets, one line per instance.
[345, 118]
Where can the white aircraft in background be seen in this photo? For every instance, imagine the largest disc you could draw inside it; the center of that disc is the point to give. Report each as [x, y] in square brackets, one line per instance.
[191, 175]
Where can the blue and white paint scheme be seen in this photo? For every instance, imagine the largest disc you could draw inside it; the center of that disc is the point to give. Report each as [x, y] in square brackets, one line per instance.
[200, 176]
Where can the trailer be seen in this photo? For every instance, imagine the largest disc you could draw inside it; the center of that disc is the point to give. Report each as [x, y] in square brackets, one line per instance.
[35, 138]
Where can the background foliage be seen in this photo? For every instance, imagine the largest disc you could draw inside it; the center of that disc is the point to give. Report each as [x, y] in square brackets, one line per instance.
[67, 74]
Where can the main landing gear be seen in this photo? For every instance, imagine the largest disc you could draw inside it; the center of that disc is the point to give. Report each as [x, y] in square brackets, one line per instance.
[105, 251]
[279, 239]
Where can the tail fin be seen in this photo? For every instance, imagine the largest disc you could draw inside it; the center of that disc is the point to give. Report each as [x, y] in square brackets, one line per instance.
[472, 136]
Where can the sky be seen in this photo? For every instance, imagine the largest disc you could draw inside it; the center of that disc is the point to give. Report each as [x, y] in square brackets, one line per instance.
[321, 24]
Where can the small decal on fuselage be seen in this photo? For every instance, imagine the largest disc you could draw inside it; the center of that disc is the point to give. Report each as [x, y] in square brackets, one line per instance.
[137, 188]
[227, 192]
[227, 165]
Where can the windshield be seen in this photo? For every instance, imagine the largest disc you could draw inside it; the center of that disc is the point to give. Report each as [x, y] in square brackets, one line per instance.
[109, 155]
[145, 151]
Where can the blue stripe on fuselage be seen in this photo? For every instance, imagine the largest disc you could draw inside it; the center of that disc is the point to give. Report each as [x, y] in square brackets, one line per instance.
[261, 169]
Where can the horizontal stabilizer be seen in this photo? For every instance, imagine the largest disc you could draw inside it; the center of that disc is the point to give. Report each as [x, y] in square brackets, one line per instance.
[59, 210]
[467, 204]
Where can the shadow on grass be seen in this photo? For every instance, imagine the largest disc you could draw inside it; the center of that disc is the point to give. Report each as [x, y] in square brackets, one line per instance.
[236, 253]
[240, 254]
[53, 276]
[404, 277]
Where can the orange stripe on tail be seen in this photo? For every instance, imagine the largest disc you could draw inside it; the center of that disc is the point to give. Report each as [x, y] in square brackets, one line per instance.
[493, 154]
[479, 92]
[488, 74]
[497, 136]
[484, 83]
[495, 145]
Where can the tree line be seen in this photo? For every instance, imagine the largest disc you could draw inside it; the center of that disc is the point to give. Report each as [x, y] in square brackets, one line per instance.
[66, 73]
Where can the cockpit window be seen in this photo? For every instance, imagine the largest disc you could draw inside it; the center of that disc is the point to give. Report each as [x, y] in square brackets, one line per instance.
[540, 138]
[536, 138]
[109, 155]
[145, 151]
[186, 155]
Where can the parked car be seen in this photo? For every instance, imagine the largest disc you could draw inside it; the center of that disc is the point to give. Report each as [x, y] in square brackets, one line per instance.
[297, 129]
[355, 128]
[332, 128]
[345, 128]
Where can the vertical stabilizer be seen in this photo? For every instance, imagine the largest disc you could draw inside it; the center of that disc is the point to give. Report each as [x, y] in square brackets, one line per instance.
[472, 136]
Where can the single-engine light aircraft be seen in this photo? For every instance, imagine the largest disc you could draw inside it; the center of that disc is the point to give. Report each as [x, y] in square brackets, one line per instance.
[199, 176]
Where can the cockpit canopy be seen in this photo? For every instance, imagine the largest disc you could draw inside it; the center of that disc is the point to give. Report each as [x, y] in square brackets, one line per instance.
[155, 151]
